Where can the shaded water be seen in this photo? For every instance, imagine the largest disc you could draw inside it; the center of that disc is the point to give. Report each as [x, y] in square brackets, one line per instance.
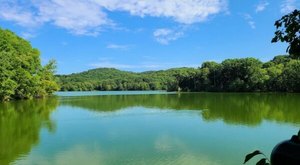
[145, 127]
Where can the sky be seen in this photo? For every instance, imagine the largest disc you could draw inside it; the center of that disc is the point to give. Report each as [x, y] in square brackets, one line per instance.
[142, 35]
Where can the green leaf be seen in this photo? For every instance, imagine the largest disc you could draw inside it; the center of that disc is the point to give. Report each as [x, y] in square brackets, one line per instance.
[251, 155]
[262, 162]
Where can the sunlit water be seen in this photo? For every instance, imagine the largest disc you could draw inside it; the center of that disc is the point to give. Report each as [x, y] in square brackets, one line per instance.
[153, 128]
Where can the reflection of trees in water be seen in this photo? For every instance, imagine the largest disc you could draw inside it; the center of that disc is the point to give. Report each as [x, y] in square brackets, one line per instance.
[20, 125]
[252, 109]
[234, 108]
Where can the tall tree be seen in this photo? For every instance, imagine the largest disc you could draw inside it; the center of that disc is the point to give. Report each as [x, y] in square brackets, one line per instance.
[21, 74]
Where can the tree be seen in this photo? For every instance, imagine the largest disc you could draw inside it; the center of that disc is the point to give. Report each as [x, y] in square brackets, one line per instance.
[281, 59]
[21, 74]
[47, 78]
[244, 74]
[214, 70]
[291, 76]
[288, 30]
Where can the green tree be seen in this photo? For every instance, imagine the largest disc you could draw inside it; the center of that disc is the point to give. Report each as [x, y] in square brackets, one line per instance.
[47, 78]
[274, 72]
[21, 74]
[242, 74]
[214, 71]
[291, 76]
[288, 30]
[281, 59]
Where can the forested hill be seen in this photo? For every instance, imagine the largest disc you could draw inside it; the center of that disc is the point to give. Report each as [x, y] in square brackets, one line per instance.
[231, 75]
[114, 79]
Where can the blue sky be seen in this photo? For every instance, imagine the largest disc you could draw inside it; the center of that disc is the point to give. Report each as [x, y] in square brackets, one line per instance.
[140, 35]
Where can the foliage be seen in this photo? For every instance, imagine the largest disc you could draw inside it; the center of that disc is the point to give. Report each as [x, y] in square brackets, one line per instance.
[288, 30]
[231, 75]
[263, 161]
[21, 73]
[113, 79]
[291, 77]
[266, 161]
[249, 74]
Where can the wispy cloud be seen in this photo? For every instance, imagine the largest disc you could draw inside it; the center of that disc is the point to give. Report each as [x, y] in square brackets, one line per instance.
[109, 63]
[19, 13]
[249, 20]
[119, 47]
[27, 35]
[261, 6]
[89, 17]
[64, 43]
[165, 35]
[288, 6]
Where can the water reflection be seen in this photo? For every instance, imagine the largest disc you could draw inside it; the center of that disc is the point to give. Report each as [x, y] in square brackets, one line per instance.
[232, 108]
[94, 156]
[20, 125]
[136, 135]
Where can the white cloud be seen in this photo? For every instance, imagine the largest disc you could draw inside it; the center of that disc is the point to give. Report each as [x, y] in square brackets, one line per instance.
[88, 17]
[77, 16]
[108, 63]
[182, 11]
[27, 35]
[250, 20]
[105, 63]
[18, 12]
[288, 6]
[252, 24]
[117, 46]
[261, 6]
[164, 35]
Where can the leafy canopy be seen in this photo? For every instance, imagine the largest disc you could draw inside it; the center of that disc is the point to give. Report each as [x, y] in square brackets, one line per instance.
[21, 74]
[288, 30]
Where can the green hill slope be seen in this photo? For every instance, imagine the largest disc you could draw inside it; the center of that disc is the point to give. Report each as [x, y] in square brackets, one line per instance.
[114, 79]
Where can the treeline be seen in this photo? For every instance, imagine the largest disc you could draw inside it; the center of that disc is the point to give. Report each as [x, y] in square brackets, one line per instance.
[245, 75]
[21, 74]
[232, 75]
[106, 79]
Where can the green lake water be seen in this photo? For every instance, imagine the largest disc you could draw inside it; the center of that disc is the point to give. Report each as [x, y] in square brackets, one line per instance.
[151, 128]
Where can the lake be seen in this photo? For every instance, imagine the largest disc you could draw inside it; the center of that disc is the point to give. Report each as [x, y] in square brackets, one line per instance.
[153, 128]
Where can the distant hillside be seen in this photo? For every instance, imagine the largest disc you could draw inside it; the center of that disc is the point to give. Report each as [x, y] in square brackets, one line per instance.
[114, 79]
